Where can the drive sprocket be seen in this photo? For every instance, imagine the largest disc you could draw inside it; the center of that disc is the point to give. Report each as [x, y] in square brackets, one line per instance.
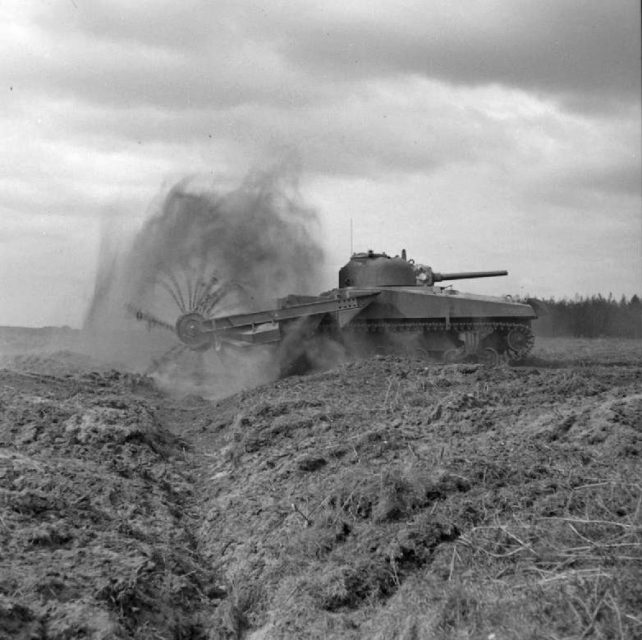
[519, 342]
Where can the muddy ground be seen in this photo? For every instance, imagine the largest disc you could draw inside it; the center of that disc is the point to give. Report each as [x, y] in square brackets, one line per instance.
[387, 498]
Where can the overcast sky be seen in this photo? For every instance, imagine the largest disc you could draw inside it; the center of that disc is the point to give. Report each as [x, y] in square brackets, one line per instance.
[478, 134]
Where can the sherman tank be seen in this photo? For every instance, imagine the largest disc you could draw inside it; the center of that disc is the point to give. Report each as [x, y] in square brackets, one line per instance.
[382, 304]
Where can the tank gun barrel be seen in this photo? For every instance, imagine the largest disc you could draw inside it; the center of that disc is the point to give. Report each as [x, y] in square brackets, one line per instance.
[439, 277]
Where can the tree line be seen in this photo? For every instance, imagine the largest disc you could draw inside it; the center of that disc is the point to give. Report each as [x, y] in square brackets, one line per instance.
[589, 317]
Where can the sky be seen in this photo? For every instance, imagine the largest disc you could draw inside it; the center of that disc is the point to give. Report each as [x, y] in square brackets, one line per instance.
[480, 134]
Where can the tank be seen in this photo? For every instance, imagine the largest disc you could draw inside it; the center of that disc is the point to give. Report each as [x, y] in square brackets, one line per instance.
[382, 304]
[412, 313]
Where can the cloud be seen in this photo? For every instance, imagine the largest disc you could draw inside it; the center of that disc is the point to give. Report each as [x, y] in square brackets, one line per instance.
[172, 56]
[583, 53]
[570, 50]
[348, 89]
[481, 126]
[591, 163]
[158, 25]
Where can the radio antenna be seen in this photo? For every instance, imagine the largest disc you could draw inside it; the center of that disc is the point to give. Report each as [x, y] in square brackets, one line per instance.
[351, 243]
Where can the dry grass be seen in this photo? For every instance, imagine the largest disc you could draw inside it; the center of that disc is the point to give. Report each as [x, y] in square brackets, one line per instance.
[402, 501]
[387, 499]
[589, 351]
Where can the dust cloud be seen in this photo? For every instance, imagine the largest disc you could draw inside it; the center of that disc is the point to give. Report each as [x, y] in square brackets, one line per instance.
[216, 251]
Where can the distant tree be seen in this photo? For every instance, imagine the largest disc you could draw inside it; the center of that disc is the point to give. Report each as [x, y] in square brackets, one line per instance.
[590, 317]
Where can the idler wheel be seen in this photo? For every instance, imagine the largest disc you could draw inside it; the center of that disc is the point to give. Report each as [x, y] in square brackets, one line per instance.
[189, 328]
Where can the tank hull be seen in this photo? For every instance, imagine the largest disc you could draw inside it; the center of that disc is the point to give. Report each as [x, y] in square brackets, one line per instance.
[441, 323]
[430, 303]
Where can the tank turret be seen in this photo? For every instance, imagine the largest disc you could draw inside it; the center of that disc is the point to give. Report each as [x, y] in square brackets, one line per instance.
[376, 270]
[370, 269]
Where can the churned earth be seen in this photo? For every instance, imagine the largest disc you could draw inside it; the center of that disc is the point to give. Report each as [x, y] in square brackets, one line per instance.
[386, 498]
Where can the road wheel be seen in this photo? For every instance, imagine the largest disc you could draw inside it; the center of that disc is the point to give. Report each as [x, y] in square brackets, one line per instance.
[452, 356]
[489, 357]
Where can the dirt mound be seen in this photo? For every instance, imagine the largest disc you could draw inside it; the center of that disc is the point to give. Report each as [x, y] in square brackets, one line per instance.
[95, 513]
[383, 499]
[387, 499]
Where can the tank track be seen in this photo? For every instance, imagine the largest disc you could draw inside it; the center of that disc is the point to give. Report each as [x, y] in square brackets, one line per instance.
[516, 348]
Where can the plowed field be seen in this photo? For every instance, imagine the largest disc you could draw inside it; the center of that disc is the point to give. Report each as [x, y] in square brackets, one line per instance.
[384, 498]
